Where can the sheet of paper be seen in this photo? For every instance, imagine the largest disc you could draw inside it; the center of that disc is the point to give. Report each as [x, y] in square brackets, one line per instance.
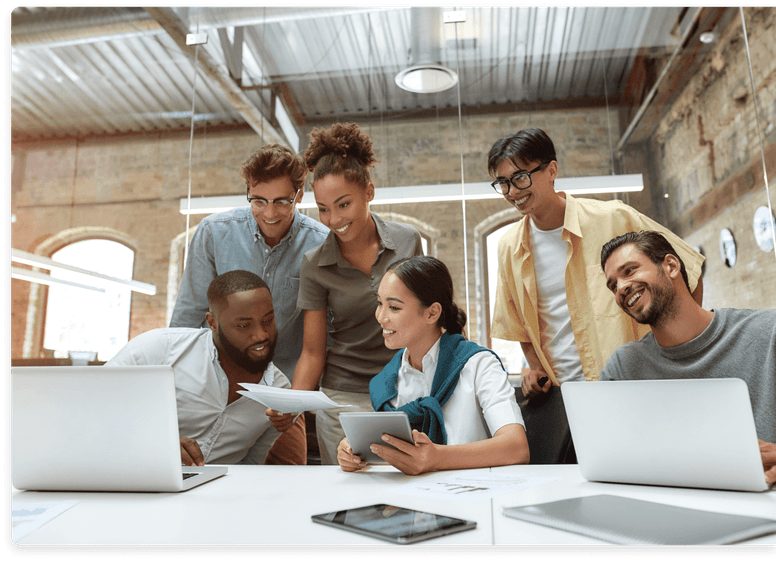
[28, 517]
[470, 488]
[288, 400]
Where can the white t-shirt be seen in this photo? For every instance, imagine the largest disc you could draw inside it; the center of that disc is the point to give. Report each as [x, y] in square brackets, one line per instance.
[483, 400]
[549, 251]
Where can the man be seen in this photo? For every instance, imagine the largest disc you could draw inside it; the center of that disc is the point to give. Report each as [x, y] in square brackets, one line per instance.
[649, 282]
[269, 238]
[217, 424]
[551, 296]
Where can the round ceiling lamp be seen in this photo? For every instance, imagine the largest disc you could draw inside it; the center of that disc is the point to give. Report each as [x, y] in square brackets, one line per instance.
[426, 78]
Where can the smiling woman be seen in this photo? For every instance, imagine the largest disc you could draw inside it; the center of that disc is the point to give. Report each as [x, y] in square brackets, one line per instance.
[456, 394]
[341, 277]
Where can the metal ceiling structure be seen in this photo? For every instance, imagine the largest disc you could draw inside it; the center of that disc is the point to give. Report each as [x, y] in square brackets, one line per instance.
[79, 72]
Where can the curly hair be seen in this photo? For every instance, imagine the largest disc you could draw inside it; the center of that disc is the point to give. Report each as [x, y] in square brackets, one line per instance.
[273, 161]
[341, 150]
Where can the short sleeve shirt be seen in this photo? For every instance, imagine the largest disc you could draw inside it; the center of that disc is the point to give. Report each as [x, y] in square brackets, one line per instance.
[328, 281]
[599, 325]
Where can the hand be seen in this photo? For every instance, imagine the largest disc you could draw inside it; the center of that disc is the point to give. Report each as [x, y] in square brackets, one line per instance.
[412, 459]
[347, 460]
[281, 421]
[768, 453]
[191, 455]
[530, 383]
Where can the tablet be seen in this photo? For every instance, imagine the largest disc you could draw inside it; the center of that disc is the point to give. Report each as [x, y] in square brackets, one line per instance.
[393, 523]
[364, 428]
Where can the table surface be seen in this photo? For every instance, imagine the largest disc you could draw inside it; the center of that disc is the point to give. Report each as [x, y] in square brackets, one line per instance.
[272, 505]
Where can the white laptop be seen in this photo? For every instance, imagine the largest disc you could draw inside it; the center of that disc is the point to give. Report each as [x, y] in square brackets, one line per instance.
[681, 433]
[98, 428]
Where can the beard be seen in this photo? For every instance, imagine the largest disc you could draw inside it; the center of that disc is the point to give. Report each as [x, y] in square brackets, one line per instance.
[662, 307]
[241, 358]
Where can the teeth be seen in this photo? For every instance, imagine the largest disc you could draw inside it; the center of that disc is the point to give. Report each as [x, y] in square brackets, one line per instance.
[345, 227]
[521, 201]
[386, 332]
[633, 299]
[268, 222]
[258, 348]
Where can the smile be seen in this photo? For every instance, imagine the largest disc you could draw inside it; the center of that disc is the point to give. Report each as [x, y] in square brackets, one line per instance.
[632, 300]
[342, 230]
[271, 223]
[521, 201]
[386, 332]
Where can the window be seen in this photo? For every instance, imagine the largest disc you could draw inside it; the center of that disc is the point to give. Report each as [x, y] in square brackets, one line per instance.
[510, 352]
[78, 319]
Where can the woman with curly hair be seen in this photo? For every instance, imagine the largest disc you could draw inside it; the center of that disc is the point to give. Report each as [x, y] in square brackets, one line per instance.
[342, 275]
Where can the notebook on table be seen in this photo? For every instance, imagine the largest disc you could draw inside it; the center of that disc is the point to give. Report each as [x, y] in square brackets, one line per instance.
[98, 428]
[682, 433]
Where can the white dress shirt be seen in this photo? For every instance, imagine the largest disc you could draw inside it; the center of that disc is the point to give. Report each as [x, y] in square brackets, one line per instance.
[234, 433]
[483, 400]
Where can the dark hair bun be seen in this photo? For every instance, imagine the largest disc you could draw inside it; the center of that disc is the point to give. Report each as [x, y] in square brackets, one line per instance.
[342, 140]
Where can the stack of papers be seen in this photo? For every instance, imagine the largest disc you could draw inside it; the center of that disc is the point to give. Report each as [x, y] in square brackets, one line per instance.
[288, 400]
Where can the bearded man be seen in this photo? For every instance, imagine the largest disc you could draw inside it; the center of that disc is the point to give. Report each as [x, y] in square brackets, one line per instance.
[218, 425]
[649, 283]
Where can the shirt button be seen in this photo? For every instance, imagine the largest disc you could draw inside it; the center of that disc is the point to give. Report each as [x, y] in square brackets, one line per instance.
[266, 251]
[267, 275]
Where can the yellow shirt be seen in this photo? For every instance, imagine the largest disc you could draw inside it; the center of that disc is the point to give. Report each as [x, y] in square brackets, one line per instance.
[599, 325]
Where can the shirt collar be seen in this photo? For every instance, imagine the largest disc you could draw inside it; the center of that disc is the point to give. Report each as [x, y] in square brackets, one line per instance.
[330, 253]
[429, 360]
[570, 224]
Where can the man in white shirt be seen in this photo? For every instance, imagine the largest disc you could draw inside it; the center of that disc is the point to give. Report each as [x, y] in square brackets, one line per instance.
[218, 425]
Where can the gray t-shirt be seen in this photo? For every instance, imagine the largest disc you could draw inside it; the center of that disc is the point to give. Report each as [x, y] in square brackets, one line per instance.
[736, 344]
[358, 351]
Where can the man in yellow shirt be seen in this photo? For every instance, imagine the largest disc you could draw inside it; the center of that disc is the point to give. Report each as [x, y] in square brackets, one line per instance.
[551, 295]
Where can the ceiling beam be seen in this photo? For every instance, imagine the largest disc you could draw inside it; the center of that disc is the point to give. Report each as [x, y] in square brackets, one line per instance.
[218, 75]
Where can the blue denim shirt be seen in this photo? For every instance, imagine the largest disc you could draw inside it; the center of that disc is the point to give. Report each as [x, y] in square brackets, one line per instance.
[231, 240]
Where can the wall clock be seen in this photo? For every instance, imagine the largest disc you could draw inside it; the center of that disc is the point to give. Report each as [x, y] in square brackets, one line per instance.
[727, 247]
[762, 233]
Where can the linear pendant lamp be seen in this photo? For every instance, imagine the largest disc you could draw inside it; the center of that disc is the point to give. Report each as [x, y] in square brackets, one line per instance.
[591, 185]
[42, 278]
[96, 280]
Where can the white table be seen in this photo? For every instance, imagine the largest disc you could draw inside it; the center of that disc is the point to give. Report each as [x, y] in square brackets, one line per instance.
[272, 505]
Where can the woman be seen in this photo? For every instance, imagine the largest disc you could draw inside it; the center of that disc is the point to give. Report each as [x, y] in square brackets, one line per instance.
[471, 418]
[342, 275]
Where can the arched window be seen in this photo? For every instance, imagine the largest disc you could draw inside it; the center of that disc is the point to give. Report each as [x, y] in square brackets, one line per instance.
[511, 352]
[78, 319]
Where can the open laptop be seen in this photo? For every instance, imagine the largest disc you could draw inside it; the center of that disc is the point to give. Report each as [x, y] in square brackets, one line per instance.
[98, 428]
[681, 433]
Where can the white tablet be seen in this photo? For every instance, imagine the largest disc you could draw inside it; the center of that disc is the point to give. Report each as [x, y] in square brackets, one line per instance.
[364, 428]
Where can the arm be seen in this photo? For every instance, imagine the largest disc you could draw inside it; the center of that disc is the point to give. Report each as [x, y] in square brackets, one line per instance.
[530, 381]
[310, 365]
[290, 449]
[191, 302]
[508, 446]
[308, 370]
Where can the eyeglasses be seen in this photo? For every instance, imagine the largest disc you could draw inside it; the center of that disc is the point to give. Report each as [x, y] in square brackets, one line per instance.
[284, 205]
[520, 180]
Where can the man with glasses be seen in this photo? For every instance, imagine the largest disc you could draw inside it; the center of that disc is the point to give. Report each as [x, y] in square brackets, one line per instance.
[551, 295]
[268, 238]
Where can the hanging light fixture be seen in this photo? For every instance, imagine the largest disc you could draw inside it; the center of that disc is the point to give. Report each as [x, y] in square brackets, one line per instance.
[425, 73]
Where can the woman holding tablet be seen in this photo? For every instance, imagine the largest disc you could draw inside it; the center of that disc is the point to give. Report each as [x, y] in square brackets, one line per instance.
[342, 275]
[456, 393]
